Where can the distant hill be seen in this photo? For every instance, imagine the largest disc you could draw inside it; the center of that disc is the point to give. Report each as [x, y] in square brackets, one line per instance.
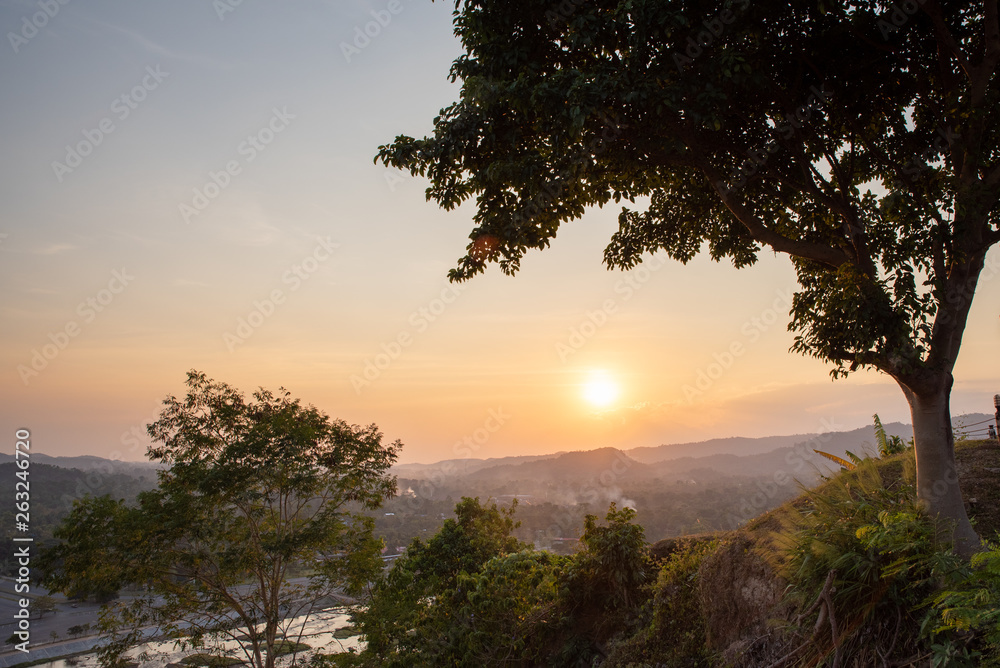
[55, 488]
[736, 456]
[460, 466]
[580, 465]
[726, 456]
[90, 463]
[848, 440]
[734, 445]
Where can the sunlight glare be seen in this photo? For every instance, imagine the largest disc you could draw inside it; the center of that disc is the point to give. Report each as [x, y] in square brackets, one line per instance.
[600, 390]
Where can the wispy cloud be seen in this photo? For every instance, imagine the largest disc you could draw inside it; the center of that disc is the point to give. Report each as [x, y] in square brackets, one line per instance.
[55, 249]
[186, 283]
[158, 49]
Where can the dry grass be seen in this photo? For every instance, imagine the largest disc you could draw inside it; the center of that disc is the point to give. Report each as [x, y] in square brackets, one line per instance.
[741, 592]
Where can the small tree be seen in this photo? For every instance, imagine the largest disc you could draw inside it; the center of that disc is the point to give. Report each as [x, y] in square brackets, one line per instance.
[250, 490]
[43, 604]
[607, 582]
[412, 612]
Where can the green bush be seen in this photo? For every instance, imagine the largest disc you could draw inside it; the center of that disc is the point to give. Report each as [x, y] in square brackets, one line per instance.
[473, 595]
[673, 628]
[972, 603]
[410, 619]
[602, 590]
[864, 562]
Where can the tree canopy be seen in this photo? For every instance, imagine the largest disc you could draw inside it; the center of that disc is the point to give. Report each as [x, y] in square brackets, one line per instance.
[474, 595]
[858, 138]
[255, 521]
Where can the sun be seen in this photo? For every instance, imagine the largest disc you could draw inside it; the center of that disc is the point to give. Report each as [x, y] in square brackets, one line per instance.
[600, 390]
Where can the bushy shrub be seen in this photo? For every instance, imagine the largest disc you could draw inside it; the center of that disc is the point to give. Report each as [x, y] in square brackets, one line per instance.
[972, 603]
[672, 631]
[474, 596]
[864, 561]
[603, 589]
[409, 619]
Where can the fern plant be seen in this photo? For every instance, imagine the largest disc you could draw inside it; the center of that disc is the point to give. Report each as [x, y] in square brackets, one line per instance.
[846, 465]
[973, 603]
[887, 446]
[863, 562]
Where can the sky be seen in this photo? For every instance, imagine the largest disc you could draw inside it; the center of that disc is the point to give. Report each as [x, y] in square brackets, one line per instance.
[191, 185]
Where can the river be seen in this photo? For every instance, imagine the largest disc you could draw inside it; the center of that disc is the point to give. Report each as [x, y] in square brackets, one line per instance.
[318, 633]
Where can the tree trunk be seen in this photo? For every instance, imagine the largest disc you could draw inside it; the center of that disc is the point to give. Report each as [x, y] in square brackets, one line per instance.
[937, 475]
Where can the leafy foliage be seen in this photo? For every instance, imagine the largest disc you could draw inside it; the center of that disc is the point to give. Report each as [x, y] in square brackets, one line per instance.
[845, 464]
[857, 551]
[759, 138]
[473, 595]
[887, 445]
[56, 488]
[409, 616]
[253, 490]
[972, 603]
[672, 629]
[607, 580]
[863, 560]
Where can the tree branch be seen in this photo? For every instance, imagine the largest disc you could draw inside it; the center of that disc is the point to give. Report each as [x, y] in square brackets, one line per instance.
[991, 238]
[991, 25]
[821, 253]
[945, 38]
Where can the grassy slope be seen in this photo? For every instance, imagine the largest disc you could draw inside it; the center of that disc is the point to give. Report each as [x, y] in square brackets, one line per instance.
[739, 591]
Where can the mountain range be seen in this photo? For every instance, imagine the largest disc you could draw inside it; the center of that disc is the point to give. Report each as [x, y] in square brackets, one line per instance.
[794, 454]
[680, 462]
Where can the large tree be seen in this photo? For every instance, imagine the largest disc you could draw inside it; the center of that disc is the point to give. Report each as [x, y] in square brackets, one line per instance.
[254, 523]
[858, 138]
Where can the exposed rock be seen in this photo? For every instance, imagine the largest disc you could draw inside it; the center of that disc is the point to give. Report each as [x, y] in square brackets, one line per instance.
[739, 594]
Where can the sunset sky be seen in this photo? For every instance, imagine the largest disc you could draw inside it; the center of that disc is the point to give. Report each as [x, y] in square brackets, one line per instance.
[190, 185]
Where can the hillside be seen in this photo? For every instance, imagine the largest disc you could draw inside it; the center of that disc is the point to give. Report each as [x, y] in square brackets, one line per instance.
[739, 446]
[584, 464]
[848, 573]
[734, 445]
[743, 601]
[462, 466]
[90, 463]
[55, 488]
